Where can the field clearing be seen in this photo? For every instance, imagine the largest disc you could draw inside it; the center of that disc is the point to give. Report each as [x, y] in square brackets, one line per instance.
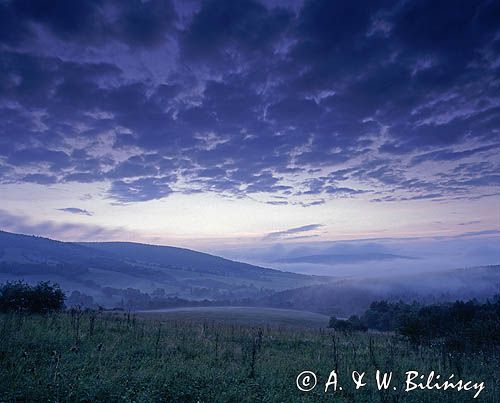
[240, 315]
[94, 357]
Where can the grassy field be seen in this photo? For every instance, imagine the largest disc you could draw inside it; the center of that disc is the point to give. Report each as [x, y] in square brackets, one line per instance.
[240, 315]
[100, 357]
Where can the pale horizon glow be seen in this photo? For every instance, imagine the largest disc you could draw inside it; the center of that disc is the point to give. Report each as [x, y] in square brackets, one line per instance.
[202, 221]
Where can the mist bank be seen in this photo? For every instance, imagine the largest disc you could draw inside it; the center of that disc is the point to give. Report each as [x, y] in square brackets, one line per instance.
[382, 257]
[341, 298]
[352, 296]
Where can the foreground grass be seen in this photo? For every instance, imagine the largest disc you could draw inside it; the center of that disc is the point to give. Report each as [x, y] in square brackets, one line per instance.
[102, 357]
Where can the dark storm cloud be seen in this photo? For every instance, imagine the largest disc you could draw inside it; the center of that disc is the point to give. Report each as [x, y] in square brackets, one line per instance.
[246, 97]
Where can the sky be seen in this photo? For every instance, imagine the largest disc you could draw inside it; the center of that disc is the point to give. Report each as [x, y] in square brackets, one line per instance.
[232, 125]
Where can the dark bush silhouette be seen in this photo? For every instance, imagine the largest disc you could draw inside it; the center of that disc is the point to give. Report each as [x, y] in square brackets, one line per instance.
[21, 297]
[353, 324]
[461, 327]
[458, 327]
[387, 316]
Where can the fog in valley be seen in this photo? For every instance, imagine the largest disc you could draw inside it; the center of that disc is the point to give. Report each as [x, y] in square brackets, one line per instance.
[380, 257]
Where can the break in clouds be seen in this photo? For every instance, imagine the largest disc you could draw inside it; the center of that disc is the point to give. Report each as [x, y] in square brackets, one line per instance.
[295, 102]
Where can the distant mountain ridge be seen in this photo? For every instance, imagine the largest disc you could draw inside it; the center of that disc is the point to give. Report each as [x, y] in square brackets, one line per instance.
[342, 258]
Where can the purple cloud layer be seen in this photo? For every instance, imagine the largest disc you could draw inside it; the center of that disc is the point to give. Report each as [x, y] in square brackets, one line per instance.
[245, 97]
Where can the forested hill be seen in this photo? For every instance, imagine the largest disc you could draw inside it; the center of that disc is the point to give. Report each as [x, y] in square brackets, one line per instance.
[92, 268]
[180, 257]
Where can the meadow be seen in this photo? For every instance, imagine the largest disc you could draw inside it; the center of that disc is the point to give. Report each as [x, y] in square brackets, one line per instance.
[99, 356]
[240, 315]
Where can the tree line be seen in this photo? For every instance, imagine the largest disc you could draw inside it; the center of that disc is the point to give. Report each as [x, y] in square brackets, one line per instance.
[459, 326]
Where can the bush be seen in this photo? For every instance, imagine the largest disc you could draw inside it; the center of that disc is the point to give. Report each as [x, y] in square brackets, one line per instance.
[387, 316]
[353, 324]
[19, 296]
[462, 326]
[459, 327]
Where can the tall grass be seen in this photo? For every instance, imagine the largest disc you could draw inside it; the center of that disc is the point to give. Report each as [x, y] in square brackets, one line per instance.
[102, 357]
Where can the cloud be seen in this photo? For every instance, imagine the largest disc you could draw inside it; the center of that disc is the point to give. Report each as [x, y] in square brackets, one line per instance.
[472, 222]
[495, 232]
[41, 179]
[321, 98]
[68, 231]
[302, 237]
[76, 210]
[448, 155]
[140, 190]
[220, 28]
[285, 234]
[91, 22]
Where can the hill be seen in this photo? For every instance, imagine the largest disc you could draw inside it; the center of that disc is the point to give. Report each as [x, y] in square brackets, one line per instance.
[112, 271]
[171, 258]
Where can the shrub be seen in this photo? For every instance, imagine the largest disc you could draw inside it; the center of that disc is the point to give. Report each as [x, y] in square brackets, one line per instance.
[353, 324]
[19, 296]
[460, 326]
